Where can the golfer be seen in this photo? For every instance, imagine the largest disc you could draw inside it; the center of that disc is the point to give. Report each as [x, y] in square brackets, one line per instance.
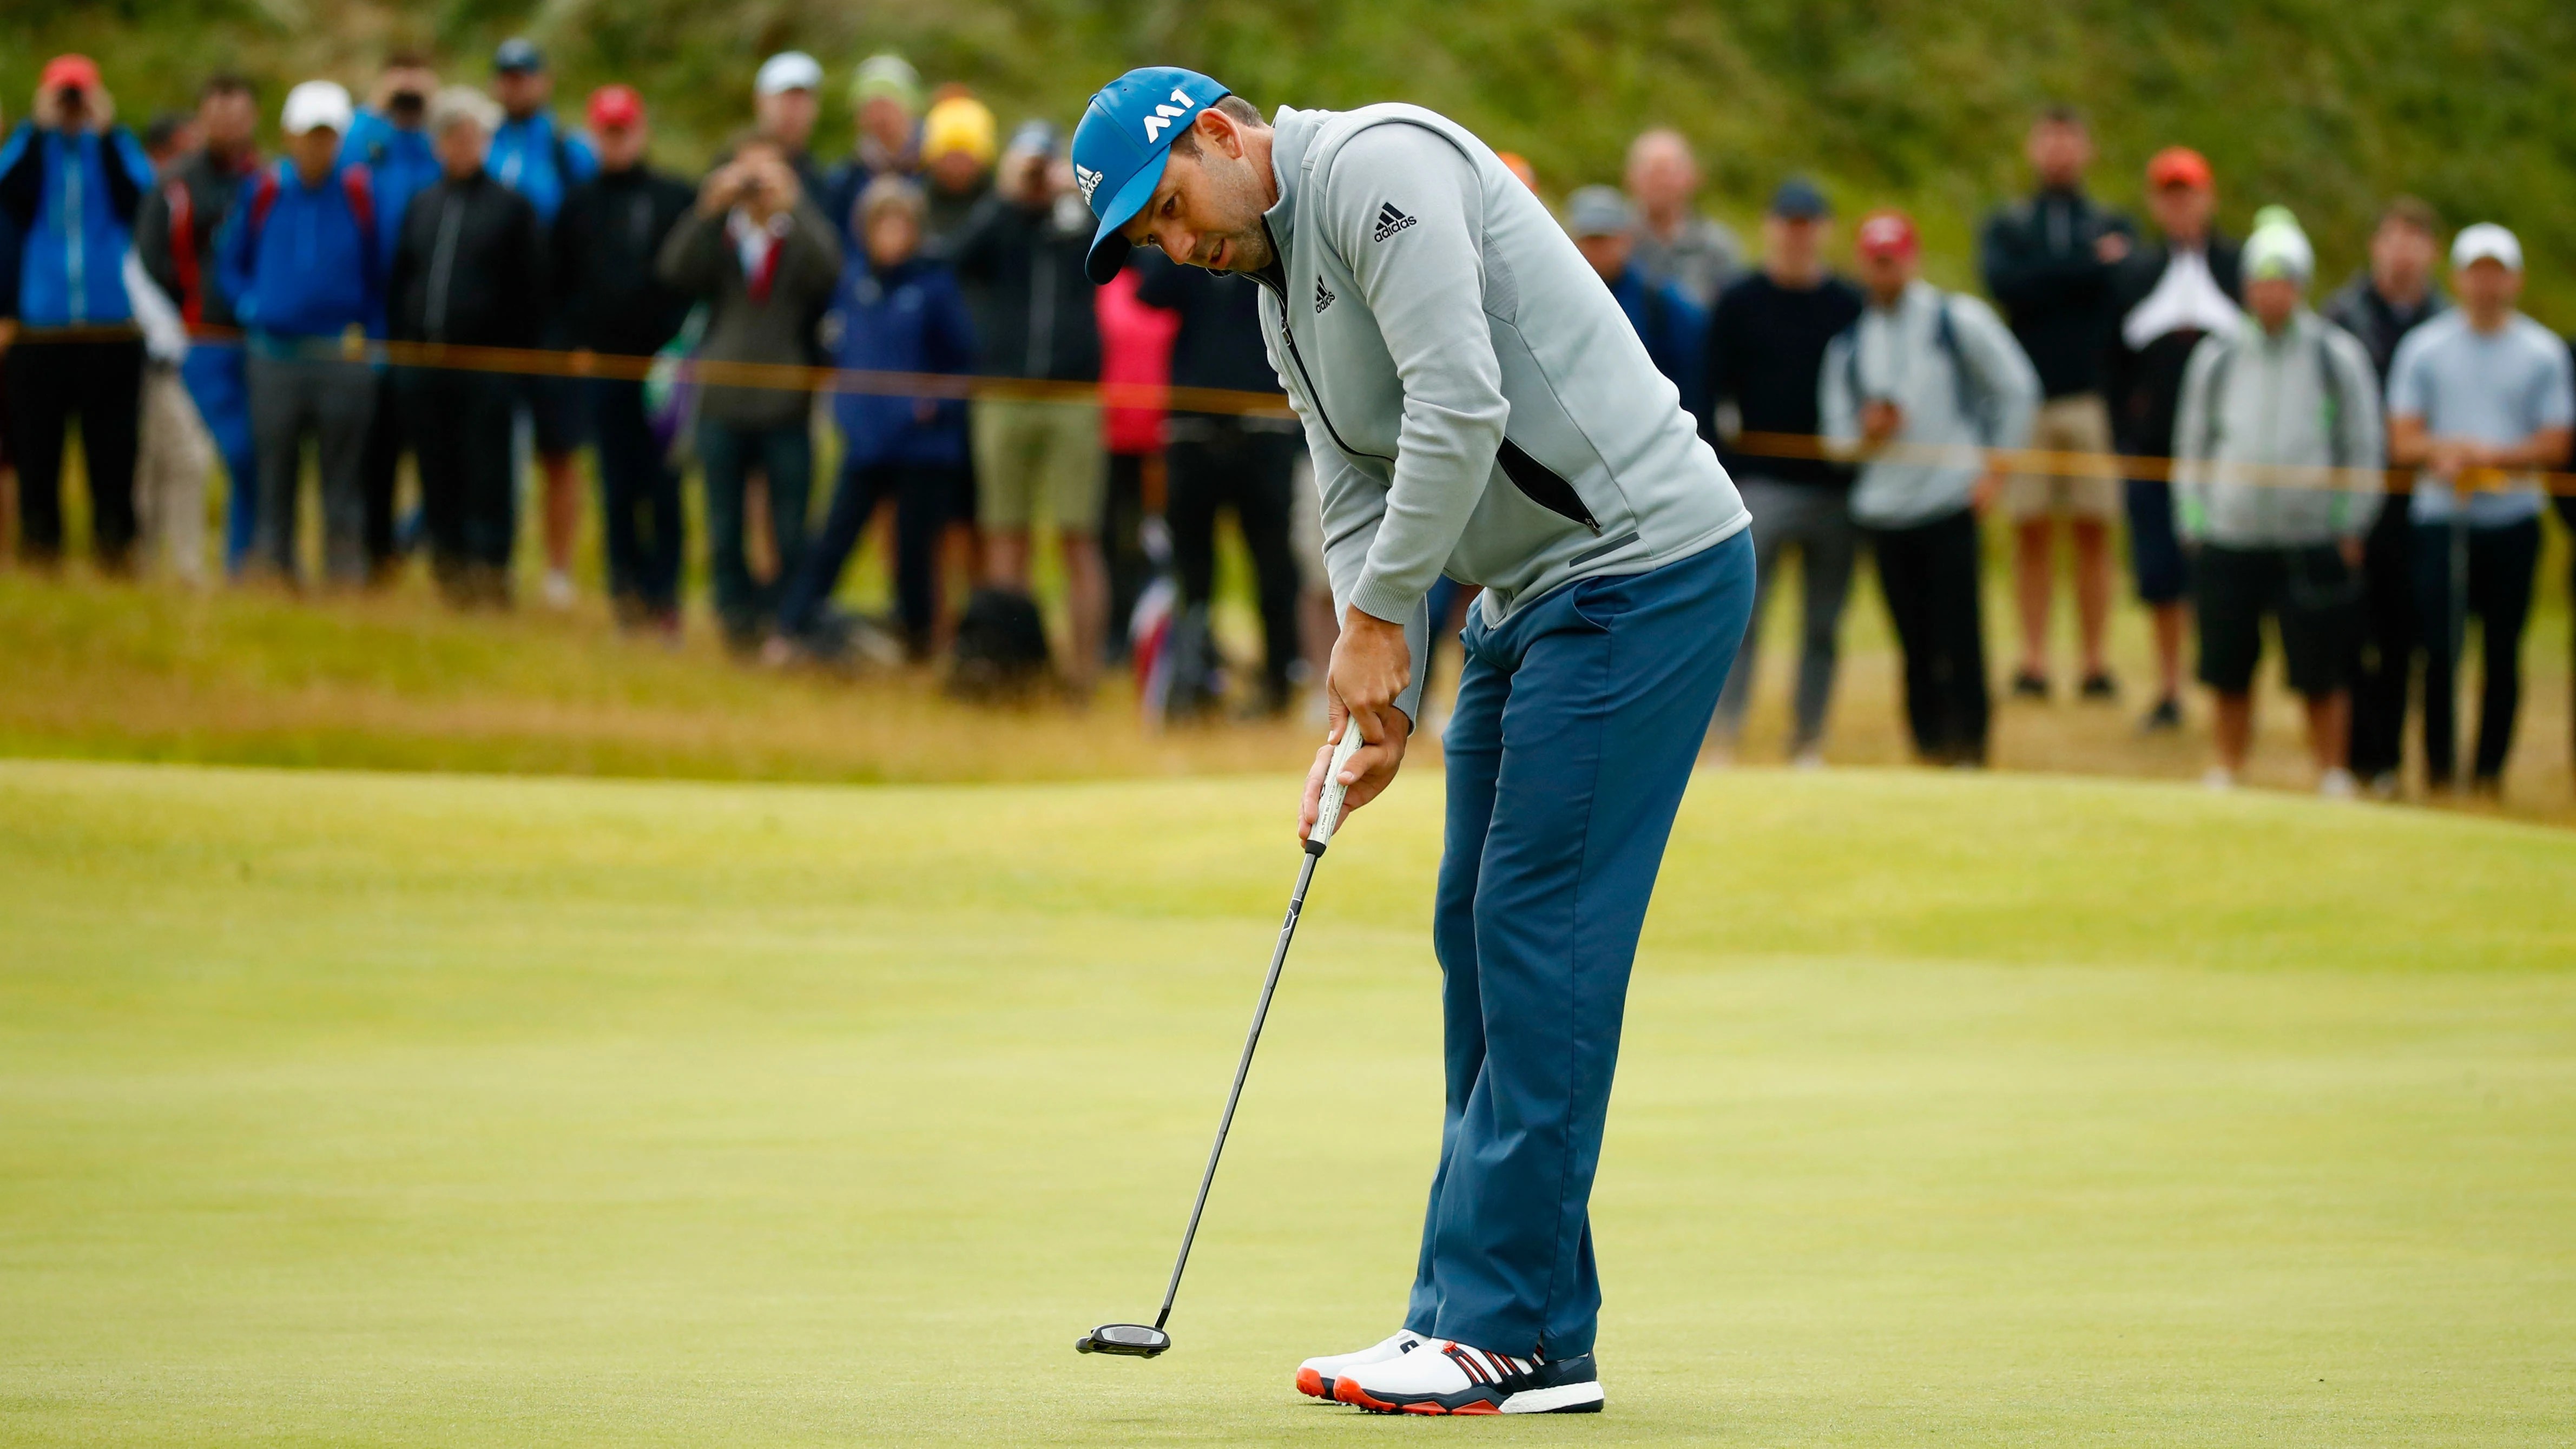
[1478, 406]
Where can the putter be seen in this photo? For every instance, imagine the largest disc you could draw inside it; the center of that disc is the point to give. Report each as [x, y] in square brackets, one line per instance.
[1136, 1340]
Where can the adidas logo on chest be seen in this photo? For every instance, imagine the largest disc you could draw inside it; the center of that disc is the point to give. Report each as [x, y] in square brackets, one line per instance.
[1389, 222]
[1324, 296]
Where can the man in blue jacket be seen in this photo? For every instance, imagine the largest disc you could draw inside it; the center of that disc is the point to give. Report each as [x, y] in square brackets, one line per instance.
[71, 182]
[536, 157]
[302, 263]
[897, 311]
[390, 137]
[1604, 228]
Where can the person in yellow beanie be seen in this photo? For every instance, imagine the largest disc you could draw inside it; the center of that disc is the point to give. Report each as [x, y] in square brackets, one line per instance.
[958, 143]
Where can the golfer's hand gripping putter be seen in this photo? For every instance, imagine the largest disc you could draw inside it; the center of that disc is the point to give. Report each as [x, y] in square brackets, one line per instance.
[1328, 810]
[1137, 1340]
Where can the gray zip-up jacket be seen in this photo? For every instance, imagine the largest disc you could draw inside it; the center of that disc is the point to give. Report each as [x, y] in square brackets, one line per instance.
[1476, 402]
[2305, 398]
[1955, 371]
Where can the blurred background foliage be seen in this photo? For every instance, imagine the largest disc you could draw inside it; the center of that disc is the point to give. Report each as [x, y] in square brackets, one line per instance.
[2326, 105]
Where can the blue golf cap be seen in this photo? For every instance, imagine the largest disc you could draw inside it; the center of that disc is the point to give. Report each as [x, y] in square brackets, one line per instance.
[1122, 144]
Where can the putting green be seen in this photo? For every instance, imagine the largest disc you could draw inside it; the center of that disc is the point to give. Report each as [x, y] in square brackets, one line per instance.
[359, 1109]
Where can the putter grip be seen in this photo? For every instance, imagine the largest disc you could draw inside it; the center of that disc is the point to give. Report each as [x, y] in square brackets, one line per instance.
[1328, 811]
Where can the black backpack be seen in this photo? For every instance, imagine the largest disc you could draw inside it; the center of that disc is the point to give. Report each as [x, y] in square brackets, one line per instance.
[1001, 646]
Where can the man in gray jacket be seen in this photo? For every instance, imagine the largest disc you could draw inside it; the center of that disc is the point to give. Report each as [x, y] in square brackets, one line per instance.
[1919, 385]
[2277, 447]
[1478, 406]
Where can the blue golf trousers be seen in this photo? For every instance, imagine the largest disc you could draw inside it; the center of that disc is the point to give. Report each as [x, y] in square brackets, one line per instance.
[1577, 722]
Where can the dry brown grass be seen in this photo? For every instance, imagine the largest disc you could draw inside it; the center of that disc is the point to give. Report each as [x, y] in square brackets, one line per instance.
[395, 681]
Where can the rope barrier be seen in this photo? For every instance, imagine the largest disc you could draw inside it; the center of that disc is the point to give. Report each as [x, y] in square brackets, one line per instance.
[859, 382]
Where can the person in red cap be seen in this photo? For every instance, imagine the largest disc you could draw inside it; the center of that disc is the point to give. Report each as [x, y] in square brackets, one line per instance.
[606, 237]
[72, 181]
[2168, 297]
[1938, 373]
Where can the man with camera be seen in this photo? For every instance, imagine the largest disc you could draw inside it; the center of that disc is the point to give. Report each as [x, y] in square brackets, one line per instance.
[764, 260]
[72, 181]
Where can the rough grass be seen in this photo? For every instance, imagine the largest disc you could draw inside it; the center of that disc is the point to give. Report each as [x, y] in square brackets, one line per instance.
[407, 1109]
[397, 682]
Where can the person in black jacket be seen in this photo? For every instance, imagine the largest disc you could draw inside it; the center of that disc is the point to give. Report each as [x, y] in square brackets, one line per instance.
[1766, 345]
[1221, 460]
[606, 238]
[2048, 261]
[2380, 306]
[2167, 298]
[1024, 246]
[468, 271]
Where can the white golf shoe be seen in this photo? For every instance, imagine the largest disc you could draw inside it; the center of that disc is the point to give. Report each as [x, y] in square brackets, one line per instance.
[1445, 1377]
[1315, 1376]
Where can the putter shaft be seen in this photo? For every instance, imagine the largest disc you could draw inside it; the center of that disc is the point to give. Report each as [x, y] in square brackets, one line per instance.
[1242, 1069]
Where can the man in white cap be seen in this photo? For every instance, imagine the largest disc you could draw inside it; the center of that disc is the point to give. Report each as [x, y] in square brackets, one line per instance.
[783, 108]
[301, 260]
[2479, 400]
[2277, 446]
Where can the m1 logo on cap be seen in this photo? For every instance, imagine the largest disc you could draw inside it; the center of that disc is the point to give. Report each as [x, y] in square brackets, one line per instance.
[1165, 115]
[1086, 181]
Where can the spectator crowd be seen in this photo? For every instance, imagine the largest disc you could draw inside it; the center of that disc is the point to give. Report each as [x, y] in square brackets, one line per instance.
[2354, 476]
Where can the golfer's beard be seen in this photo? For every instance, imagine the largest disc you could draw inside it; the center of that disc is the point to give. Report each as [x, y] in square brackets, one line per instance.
[1250, 248]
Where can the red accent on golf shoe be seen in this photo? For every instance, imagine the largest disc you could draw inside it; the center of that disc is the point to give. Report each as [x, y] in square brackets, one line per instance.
[1349, 1392]
[1311, 1384]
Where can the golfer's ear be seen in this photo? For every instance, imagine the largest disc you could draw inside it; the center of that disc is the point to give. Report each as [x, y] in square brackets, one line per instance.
[1218, 127]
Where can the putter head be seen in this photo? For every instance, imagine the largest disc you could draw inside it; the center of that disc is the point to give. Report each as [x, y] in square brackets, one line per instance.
[1134, 1340]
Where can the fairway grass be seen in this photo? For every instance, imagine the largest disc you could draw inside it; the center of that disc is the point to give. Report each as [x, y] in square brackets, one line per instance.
[426, 1110]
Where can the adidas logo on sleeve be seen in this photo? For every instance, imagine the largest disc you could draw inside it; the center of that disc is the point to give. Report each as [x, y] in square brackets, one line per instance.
[1324, 296]
[1390, 221]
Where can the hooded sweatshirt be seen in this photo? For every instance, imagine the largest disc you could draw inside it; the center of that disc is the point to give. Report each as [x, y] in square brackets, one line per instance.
[2304, 397]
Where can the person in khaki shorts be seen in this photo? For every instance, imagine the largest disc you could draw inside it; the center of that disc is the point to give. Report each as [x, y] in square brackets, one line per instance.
[1023, 248]
[2049, 261]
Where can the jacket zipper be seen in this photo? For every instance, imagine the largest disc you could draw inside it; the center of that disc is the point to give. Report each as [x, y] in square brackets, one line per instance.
[442, 267]
[1514, 459]
[76, 268]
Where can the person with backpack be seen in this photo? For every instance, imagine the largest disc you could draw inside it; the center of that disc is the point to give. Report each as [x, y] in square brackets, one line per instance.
[470, 271]
[1935, 376]
[2277, 450]
[302, 264]
[71, 184]
[607, 239]
[174, 236]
